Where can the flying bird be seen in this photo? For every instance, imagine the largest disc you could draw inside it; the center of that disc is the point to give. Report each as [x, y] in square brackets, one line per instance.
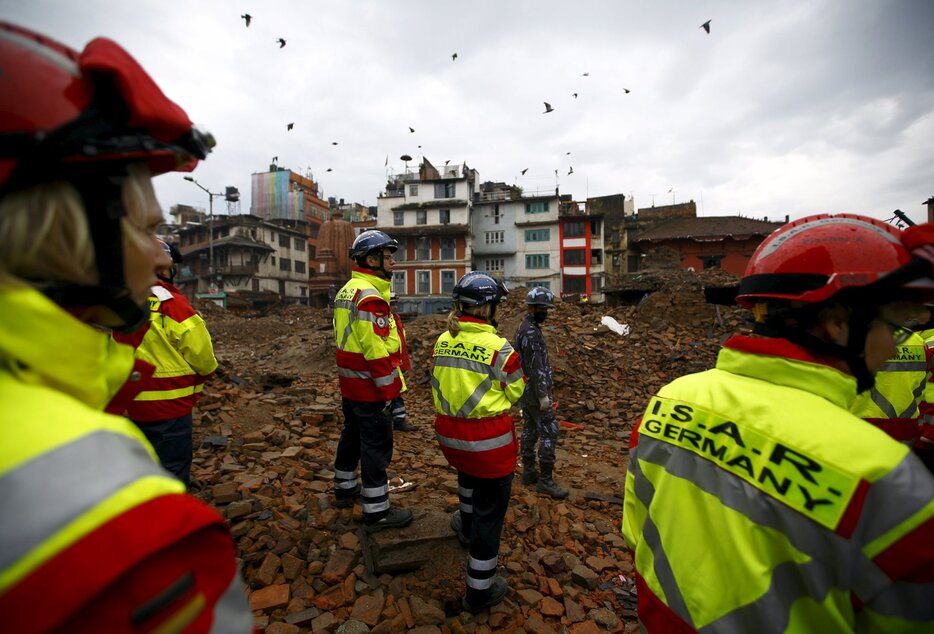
[275, 159]
[446, 162]
[705, 26]
[411, 129]
[333, 142]
[574, 94]
[586, 75]
[329, 170]
[626, 90]
[289, 126]
[453, 57]
[524, 171]
[548, 108]
[567, 154]
[246, 18]
[571, 171]
[281, 42]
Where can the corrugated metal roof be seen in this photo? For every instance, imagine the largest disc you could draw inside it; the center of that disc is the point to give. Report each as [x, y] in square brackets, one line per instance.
[706, 229]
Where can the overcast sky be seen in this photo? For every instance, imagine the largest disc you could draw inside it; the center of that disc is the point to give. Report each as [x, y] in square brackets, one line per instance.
[784, 108]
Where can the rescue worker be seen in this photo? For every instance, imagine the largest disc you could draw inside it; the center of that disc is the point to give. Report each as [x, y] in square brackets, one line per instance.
[539, 423]
[755, 501]
[368, 360]
[892, 403]
[397, 410]
[176, 341]
[476, 379]
[95, 535]
[924, 446]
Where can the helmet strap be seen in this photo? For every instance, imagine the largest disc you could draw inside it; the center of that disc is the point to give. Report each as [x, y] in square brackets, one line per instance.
[103, 203]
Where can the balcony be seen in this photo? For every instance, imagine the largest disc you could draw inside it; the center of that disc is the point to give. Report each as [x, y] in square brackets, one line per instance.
[238, 269]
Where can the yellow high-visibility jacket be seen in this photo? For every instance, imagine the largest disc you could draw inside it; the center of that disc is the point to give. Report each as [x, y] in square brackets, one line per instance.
[368, 346]
[755, 502]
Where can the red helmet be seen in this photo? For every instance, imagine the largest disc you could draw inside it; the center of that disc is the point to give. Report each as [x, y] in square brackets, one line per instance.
[814, 258]
[60, 109]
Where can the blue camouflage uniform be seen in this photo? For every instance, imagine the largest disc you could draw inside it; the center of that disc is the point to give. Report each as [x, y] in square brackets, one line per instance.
[537, 423]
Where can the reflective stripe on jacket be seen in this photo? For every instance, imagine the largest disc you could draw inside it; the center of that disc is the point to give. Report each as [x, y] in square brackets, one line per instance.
[892, 404]
[94, 530]
[926, 407]
[477, 377]
[177, 342]
[367, 347]
[797, 516]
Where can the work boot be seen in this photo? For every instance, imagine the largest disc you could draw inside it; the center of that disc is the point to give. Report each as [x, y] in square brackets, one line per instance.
[547, 485]
[494, 596]
[395, 518]
[400, 424]
[345, 502]
[529, 472]
[457, 525]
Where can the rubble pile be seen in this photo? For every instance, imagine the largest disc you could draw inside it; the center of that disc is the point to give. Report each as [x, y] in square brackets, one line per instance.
[267, 428]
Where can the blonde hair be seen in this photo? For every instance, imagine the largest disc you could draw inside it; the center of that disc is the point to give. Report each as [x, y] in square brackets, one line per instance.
[454, 326]
[44, 234]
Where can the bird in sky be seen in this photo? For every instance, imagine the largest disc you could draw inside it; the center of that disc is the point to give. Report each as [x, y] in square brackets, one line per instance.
[453, 57]
[574, 94]
[626, 90]
[333, 142]
[275, 159]
[411, 129]
[571, 171]
[246, 18]
[567, 154]
[289, 126]
[556, 172]
[281, 42]
[548, 108]
[586, 75]
[446, 162]
[705, 26]
[524, 171]
[329, 170]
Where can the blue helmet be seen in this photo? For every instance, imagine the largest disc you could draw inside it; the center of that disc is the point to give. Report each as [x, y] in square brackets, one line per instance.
[477, 288]
[371, 241]
[539, 296]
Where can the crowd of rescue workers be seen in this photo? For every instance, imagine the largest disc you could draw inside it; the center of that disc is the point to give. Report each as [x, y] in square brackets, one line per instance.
[786, 489]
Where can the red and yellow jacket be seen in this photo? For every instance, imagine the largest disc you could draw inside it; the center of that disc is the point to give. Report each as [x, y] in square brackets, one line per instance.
[177, 342]
[368, 348]
[96, 536]
[476, 379]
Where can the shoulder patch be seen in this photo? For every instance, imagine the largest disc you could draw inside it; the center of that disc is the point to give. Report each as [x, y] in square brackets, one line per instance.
[162, 294]
[381, 321]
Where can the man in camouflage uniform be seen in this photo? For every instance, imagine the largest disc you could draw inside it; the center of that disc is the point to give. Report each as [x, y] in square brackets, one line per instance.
[538, 414]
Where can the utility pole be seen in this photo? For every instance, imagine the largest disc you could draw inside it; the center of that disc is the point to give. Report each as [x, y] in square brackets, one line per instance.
[211, 196]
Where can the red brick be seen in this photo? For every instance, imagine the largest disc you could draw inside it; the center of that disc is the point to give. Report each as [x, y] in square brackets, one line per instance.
[269, 597]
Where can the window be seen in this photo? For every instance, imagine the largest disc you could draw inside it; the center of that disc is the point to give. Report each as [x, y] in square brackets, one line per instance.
[304, 291]
[614, 237]
[596, 284]
[596, 256]
[493, 265]
[447, 282]
[537, 261]
[313, 230]
[285, 264]
[284, 240]
[494, 237]
[575, 257]
[299, 266]
[537, 235]
[574, 229]
[423, 282]
[496, 214]
[444, 216]
[399, 255]
[543, 284]
[413, 190]
[575, 284]
[398, 218]
[421, 217]
[398, 282]
[423, 249]
[595, 227]
[539, 207]
[300, 244]
[444, 190]
[711, 261]
[311, 252]
[447, 248]
[272, 260]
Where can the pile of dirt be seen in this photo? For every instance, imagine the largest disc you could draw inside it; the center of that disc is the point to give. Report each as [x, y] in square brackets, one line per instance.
[269, 424]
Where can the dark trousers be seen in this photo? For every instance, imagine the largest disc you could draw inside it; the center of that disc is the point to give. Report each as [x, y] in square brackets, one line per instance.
[171, 438]
[366, 439]
[538, 425]
[483, 505]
